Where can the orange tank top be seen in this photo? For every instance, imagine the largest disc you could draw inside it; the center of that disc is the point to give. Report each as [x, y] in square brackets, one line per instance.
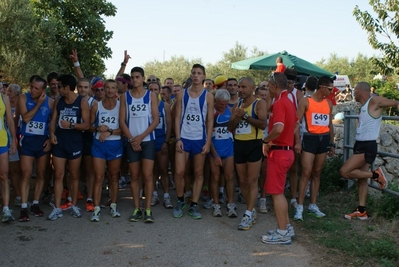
[317, 117]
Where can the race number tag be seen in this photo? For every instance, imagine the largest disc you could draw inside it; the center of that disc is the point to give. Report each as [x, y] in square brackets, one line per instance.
[160, 124]
[139, 110]
[65, 117]
[35, 127]
[221, 133]
[193, 119]
[320, 119]
[243, 128]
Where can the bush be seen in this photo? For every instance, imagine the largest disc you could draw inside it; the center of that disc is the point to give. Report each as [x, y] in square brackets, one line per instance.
[330, 180]
[389, 204]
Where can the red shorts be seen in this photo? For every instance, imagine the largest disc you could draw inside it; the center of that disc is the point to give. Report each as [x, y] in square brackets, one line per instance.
[278, 164]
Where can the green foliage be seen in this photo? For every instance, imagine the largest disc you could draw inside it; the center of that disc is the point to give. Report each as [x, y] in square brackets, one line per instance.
[26, 41]
[80, 26]
[179, 67]
[357, 69]
[389, 90]
[385, 25]
[389, 204]
[330, 180]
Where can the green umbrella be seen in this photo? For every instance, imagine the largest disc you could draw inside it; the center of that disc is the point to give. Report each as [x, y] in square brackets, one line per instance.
[268, 62]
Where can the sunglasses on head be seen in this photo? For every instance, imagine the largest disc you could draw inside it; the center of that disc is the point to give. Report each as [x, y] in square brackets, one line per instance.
[99, 90]
[151, 80]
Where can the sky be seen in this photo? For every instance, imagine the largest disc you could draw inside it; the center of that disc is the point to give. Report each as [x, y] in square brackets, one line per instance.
[157, 29]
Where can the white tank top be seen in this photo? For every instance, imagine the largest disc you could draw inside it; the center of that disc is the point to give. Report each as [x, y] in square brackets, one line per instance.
[369, 127]
[194, 112]
[109, 118]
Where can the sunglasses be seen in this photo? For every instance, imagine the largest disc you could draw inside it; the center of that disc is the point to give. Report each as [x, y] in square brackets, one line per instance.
[272, 77]
[328, 87]
[99, 90]
[151, 80]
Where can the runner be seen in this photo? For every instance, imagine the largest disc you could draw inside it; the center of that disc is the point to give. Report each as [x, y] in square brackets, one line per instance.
[193, 129]
[107, 148]
[35, 108]
[138, 118]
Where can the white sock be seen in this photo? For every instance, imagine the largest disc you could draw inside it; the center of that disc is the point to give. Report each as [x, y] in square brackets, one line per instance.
[89, 199]
[249, 213]
[69, 198]
[166, 195]
[221, 190]
[35, 202]
[293, 200]
[24, 205]
[5, 208]
[155, 194]
[282, 232]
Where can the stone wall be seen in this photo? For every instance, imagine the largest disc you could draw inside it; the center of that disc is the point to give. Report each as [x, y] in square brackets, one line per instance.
[388, 141]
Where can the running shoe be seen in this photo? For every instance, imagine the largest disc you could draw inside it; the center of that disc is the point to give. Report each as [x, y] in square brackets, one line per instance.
[246, 223]
[194, 212]
[209, 204]
[80, 195]
[148, 216]
[75, 212]
[7, 216]
[114, 210]
[136, 215]
[381, 180]
[178, 210]
[315, 211]
[222, 198]
[89, 205]
[64, 194]
[356, 214]
[36, 211]
[167, 203]
[290, 232]
[122, 182]
[24, 215]
[298, 213]
[66, 205]
[55, 214]
[240, 199]
[231, 210]
[154, 200]
[262, 206]
[17, 202]
[95, 216]
[216, 211]
[275, 238]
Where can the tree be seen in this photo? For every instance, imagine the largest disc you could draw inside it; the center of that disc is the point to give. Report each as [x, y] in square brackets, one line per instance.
[358, 69]
[385, 25]
[25, 42]
[80, 26]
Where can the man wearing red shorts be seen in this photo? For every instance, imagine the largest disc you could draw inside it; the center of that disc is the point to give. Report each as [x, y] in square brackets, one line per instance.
[278, 147]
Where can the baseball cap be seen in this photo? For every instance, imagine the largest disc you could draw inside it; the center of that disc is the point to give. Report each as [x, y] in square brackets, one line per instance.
[219, 80]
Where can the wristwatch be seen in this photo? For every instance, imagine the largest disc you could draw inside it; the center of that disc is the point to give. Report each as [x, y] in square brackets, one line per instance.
[110, 130]
[246, 116]
[72, 125]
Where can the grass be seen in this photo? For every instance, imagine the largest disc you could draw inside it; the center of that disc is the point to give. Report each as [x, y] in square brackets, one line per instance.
[373, 242]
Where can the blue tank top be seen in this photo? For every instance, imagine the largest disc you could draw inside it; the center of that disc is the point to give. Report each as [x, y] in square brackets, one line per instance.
[39, 124]
[69, 112]
[161, 127]
[221, 137]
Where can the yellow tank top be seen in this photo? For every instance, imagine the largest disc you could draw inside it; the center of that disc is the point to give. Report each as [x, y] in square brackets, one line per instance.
[244, 130]
[3, 131]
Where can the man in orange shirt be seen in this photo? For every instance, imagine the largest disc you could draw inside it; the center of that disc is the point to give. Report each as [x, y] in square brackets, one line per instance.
[280, 65]
[317, 143]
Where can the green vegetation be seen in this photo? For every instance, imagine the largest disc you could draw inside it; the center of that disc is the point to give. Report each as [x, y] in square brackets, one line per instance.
[373, 242]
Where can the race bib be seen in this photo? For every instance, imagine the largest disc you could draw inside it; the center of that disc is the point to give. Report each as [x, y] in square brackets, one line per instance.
[221, 133]
[320, 119]
[243, 128]
[160, 124]
[35, 127]
[193, 119]
[110, 121]
[64, 117]
[139, 109]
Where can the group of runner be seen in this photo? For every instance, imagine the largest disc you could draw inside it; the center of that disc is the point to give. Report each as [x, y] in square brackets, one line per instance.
[230, 125]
